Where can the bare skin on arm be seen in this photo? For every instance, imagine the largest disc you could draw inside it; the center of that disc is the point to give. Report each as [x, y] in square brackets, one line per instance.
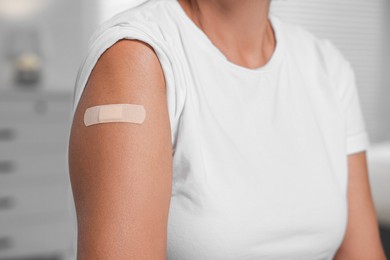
[362, 240]
[121, 173]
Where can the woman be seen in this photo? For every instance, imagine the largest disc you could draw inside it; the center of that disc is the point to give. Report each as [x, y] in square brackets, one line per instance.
[253, 146]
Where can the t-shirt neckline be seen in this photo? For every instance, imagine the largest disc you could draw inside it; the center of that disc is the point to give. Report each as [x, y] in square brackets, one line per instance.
[272, 62]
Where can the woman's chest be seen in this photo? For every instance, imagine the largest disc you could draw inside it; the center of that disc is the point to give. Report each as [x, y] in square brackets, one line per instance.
[258, 170]
[278, 119]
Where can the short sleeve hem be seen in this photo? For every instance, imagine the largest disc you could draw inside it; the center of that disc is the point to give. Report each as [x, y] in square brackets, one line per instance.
[357, 143]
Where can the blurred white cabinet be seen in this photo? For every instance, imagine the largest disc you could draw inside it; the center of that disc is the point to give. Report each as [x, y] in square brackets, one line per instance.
[34, 131]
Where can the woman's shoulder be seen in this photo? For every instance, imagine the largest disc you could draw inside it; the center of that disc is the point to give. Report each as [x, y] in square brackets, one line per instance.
[148, 22]
[306, 46]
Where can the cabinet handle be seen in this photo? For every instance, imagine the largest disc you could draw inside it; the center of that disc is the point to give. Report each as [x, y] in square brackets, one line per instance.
[6, 203]
[7, 167]
[7, 134]
[5, 243]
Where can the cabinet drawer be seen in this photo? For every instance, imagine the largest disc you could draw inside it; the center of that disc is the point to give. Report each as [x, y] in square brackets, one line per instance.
[39, 111]
[31, 149]
[19, 202]
[34, 241]
[28, 168]
[17, 134]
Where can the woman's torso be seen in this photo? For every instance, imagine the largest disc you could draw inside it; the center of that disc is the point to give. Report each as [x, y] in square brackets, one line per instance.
[259, 164]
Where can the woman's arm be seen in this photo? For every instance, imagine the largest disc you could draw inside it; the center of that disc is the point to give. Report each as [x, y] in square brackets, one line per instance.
[362, 240]
[121, 173]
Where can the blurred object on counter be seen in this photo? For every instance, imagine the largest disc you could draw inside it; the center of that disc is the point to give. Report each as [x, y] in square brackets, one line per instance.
[24, 55]
[21, 41]
[27, 69]
[53, 31]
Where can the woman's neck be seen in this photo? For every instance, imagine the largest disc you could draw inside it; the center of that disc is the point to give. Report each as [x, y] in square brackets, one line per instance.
[240, 29]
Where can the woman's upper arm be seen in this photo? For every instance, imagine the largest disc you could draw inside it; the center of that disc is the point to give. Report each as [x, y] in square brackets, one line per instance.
[121, 172]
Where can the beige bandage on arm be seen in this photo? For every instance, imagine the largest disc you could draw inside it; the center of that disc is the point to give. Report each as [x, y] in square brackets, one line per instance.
[128, 113]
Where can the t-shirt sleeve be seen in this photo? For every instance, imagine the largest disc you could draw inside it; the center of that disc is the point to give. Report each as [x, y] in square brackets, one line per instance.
[356, 135]
[107, 35]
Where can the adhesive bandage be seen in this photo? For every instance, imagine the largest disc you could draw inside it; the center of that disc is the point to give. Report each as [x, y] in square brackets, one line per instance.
[128, 113]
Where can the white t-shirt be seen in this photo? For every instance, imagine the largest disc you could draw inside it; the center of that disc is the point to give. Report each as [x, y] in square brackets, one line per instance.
[259, 155]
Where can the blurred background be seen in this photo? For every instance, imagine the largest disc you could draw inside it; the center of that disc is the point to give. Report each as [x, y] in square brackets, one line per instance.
[42, 44]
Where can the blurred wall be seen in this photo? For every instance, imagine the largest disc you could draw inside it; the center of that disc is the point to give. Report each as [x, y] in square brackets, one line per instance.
[384, 109]
[108, 8]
